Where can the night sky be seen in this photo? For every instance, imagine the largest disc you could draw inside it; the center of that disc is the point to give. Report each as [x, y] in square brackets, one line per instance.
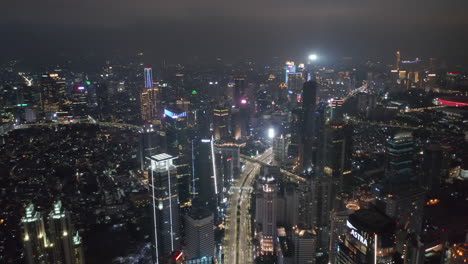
[178, 29]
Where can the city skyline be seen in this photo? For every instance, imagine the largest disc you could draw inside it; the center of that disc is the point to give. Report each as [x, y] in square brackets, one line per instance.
[241, 132]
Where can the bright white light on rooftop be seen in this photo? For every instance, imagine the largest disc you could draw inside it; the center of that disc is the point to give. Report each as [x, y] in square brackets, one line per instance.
[271, 132]
[313, 57]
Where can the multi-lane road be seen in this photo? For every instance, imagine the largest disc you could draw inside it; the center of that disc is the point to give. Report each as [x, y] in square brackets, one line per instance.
[107, 124]
[237, 248]
[293, 177]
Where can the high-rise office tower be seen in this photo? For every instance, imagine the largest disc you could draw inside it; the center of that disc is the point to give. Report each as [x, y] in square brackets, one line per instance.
[52, 93]
[176, 129]
[288, 69]
[336, 109]
[151, 108]
[205, 185]
[228, 165]
[366, 103]
[305, 243]
[399, 162]
[199, 232]
[36, 245]
[148, 77]
[280, 149]
[239, 90]
[266, 210]
[151, 142]
[237, 127]
[432, 167]
[308, 129]
[291, 205]
[229, 151]
[319, 204]
[337, 150]
[221, 122]
[406, 207]
[314, 206]
[241, 118]
[57, 242]
[165, 205]
[294, 80]
[369, 238]
[67, 248]
[337, 228]
[295, 83]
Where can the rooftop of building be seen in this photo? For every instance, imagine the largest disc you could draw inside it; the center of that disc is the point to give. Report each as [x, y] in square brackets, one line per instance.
[200, 213]
[162, 157]
[371, 220]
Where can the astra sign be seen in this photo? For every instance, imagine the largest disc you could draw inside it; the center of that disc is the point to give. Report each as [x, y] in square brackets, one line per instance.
[356, 234]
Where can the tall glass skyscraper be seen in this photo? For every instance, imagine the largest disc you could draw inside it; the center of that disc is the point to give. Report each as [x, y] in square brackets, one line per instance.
[399, 163]
[165, 205]
[306, 150]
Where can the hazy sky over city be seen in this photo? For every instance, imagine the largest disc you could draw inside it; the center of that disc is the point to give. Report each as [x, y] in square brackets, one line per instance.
[179, 28]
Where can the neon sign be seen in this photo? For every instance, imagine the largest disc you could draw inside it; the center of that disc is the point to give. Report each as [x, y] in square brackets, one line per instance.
[356, 234]
[174, 115]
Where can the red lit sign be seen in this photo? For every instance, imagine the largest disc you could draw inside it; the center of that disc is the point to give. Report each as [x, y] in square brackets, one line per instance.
[452, 103]
[178, 256]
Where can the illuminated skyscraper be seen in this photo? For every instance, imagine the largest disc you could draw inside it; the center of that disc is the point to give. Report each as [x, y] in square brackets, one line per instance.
[205, 174]
[35, 237]
[337, 149]
[151, 142]
[221, 122]
[399, 162]
[289, 68]
[199, 226]
[369, 238]
[266, 210]
[228, 166]
[295, 82]
[58, 244]
[148, 77]
[66, 244]
[230, 159]
[165, 205]
[337, 228]
[151, 108]
[52, 93]
[305, 243]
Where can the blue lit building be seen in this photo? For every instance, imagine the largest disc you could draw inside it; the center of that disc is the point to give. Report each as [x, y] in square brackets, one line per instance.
[148, 77]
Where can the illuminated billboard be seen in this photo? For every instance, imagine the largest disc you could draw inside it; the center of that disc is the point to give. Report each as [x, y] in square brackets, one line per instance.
[174, 115]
